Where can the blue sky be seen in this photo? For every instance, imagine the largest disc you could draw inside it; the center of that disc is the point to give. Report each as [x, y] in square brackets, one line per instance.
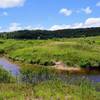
[48, 14]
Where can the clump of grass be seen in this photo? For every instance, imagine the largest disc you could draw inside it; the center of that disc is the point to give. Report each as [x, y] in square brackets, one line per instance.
[2, 51]
[16, 91]
[5, 76]
[60, 90]
[36, 74]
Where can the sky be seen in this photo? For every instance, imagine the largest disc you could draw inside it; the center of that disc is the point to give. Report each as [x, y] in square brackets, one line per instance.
[48, 14]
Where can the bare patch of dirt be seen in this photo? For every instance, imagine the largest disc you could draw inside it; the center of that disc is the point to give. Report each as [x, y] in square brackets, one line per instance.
[61, 66]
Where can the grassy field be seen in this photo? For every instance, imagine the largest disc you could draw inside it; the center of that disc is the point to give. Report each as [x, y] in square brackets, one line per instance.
[45, 83]
[47, 90]
[77, 52]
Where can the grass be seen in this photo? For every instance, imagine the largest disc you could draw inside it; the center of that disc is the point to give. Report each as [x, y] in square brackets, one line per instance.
[44, 82]
[46, 90]
[61, 91]
[5, 76]
[15, 91]
[75, 52]
[48, 85]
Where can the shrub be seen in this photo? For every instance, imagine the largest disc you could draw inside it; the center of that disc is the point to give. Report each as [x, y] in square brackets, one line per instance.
[85, 64]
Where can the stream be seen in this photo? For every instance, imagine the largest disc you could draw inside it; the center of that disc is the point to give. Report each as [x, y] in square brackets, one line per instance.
[15, 70]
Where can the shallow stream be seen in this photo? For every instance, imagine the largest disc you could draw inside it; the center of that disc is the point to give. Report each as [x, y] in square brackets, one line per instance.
[15, 70]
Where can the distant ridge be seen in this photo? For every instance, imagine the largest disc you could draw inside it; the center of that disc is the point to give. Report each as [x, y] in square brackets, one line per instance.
[47, 34]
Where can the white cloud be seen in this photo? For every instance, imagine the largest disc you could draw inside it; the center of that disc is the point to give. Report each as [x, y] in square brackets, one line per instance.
[65, 11]
[90, 22]
[11, 3]
[17, 26]
[87, 10]
[1, 29]
[4, 14]
[56, 27]
[98, 4]
[65, 26]
[14, 27]
[29, 27]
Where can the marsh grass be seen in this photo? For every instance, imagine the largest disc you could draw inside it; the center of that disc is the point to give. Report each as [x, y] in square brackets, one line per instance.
[48, 85]
[6, 77]
[44, 83]
[75, 52]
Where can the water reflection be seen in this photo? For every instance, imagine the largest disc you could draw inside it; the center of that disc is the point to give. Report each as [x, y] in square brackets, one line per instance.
[13, 68]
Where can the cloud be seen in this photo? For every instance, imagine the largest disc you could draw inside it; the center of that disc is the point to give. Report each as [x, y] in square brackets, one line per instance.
[11, 3]
[17, 26]
[90, 22]
[14, 27]
[1, 29]
[29, 27]
[65, 11]
[4, 14]
[65, 26]
[87, 10]
[98, 4]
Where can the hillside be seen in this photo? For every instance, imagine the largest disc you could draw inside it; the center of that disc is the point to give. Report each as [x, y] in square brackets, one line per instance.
[44, 34]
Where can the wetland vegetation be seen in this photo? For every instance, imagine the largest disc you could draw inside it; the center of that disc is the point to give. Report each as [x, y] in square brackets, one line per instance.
[39, 80]
[77, 52]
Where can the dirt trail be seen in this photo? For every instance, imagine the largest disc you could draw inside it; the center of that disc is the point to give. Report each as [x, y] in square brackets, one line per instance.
[61, 66]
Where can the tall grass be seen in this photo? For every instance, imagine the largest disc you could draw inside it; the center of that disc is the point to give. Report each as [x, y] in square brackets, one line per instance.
[73, 55]
[43, 83]
[75, 52]
[5, 76]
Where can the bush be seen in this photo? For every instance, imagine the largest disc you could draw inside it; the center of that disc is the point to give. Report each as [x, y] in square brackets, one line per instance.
[85, 64]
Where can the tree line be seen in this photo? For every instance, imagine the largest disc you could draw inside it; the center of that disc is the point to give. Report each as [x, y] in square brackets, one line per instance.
[46, 34]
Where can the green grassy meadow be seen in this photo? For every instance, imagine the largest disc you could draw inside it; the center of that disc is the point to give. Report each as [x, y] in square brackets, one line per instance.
[77, 52]
[47, 85]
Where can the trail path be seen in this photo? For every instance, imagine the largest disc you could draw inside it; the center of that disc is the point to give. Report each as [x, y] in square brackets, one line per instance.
[63, 67]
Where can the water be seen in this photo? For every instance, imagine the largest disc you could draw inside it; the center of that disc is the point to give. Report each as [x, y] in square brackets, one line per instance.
[93, 78]
[13, 68]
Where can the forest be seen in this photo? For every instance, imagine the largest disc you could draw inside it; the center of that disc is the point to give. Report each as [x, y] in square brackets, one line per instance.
[44, 34]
